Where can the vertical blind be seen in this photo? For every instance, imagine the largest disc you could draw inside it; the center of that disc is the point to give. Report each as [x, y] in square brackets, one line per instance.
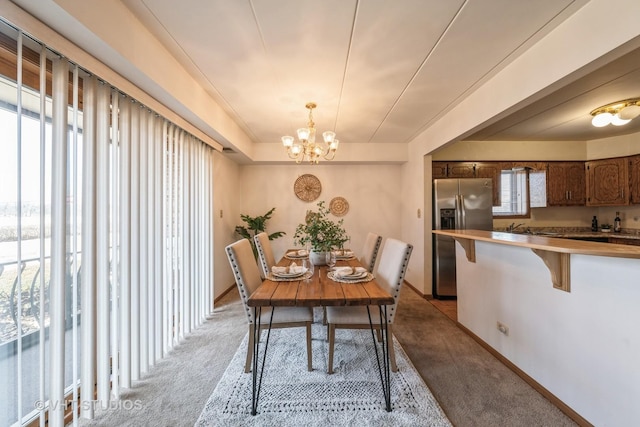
[121, 269]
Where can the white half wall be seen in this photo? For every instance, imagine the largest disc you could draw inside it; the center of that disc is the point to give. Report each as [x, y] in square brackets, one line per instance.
[582, 346]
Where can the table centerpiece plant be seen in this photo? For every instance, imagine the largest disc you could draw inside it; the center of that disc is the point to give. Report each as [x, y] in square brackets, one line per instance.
[320, 234]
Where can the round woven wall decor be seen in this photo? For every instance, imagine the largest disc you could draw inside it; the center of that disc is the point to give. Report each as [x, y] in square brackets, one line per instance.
[339, 206]
[307, 187]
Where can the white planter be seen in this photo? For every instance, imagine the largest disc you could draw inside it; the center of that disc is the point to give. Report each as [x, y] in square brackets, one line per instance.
[318, 258]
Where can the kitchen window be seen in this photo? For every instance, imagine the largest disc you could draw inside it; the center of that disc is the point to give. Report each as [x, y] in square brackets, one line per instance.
[514, 194]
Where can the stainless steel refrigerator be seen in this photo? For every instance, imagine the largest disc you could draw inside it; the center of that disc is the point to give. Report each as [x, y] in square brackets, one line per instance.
[457, 204]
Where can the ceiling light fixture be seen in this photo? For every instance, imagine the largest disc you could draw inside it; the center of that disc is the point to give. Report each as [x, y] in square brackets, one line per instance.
[306, 147]
[617, 113]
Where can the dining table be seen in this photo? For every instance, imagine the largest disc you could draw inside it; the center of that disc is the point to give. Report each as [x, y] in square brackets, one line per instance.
[321, 290]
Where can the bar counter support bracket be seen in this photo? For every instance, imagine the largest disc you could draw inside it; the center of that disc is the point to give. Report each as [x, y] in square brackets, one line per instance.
[559, 266]
[469, 246]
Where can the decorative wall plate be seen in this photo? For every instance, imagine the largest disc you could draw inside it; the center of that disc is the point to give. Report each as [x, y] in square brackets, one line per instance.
[339, 206]
[307, 187]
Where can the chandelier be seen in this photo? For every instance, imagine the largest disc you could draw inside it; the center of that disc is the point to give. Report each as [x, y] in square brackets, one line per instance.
[306, 148]
[617, 113]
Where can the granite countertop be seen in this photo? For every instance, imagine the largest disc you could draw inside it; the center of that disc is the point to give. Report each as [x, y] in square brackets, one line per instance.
[576, 232]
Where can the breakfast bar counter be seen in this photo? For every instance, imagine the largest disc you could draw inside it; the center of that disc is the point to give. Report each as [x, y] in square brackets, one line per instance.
[555, 252]
[578, 340]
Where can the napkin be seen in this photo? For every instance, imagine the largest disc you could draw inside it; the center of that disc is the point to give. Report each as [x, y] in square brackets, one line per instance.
[292, 269]
[301, 252]
[344, 253]
[342, 272]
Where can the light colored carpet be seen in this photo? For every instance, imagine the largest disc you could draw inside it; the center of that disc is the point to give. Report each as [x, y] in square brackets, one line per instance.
[293, 396]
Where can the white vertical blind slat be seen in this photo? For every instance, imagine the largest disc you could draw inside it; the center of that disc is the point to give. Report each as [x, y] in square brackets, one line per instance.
[74, 245]
[158, 210]
[58, 241]
[102, 244]
[115, 247]
[144, 280]
[88, 295]
[125, 242]
[178, 290]
[135, 242]
[19, 219]
[168, 238]
[41, 296]
[150, 253]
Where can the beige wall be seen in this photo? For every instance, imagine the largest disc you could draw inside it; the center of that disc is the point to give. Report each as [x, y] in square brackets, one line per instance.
[227, 198]
[373, 193]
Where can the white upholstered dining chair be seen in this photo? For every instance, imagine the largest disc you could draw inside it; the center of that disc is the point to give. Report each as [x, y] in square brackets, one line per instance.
[245, 271]
[390, 276]
[370, 251]
[265, 253]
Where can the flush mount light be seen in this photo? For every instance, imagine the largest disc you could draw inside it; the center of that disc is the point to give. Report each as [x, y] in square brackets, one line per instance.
[617, 113]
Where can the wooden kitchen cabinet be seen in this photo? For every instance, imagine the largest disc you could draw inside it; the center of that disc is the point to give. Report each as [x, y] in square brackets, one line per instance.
[607, 182]
[634, 174]
[461, 170]
[566, 184]
[438, 170]
[493, 171]
[490, 170]
[535, 166]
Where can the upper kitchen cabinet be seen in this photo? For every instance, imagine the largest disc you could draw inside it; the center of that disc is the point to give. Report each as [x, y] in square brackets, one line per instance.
[461, 170]
[566, 184]
[634, 172]
[607, 182]
[490, 170]
[438, 170]
[534, 166]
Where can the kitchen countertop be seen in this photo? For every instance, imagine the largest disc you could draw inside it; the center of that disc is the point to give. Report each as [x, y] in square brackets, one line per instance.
[575, 233]
[549, 243]
[555, 252]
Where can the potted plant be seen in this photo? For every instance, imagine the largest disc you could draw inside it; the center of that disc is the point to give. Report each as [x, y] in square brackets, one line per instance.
[256, 225]
[320, 234]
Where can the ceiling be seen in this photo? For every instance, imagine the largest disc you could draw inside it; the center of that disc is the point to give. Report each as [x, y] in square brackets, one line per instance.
[379, 71]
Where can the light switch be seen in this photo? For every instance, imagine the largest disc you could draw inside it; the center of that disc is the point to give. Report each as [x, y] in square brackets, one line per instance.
[220, 213]
[419, 213]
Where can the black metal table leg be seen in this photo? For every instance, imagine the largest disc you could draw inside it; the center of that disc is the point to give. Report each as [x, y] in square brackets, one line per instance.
[384, 369]
[257, 381]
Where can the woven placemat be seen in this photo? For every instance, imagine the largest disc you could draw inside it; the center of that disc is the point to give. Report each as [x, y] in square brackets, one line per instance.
[369, 277]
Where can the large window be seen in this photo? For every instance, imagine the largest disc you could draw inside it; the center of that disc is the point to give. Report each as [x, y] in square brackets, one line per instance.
[105, 236]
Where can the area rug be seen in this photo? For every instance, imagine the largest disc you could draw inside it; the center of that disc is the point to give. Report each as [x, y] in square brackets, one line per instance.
[293, 396]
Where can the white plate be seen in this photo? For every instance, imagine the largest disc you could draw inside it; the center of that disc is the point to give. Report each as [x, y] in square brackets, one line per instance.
[353, 276]
[288, 275]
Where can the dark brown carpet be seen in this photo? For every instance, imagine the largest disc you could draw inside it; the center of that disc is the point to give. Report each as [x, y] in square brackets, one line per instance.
[471, 385]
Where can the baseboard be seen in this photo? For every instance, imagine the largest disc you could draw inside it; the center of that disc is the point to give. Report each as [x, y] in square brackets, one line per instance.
[232, 287]
[425, 296]
[577, 418]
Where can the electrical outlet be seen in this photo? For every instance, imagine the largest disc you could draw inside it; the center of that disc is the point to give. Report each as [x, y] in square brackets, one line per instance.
[502, 328]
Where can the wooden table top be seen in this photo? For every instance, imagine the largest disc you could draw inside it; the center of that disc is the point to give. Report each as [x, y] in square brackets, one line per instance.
[319, 291]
